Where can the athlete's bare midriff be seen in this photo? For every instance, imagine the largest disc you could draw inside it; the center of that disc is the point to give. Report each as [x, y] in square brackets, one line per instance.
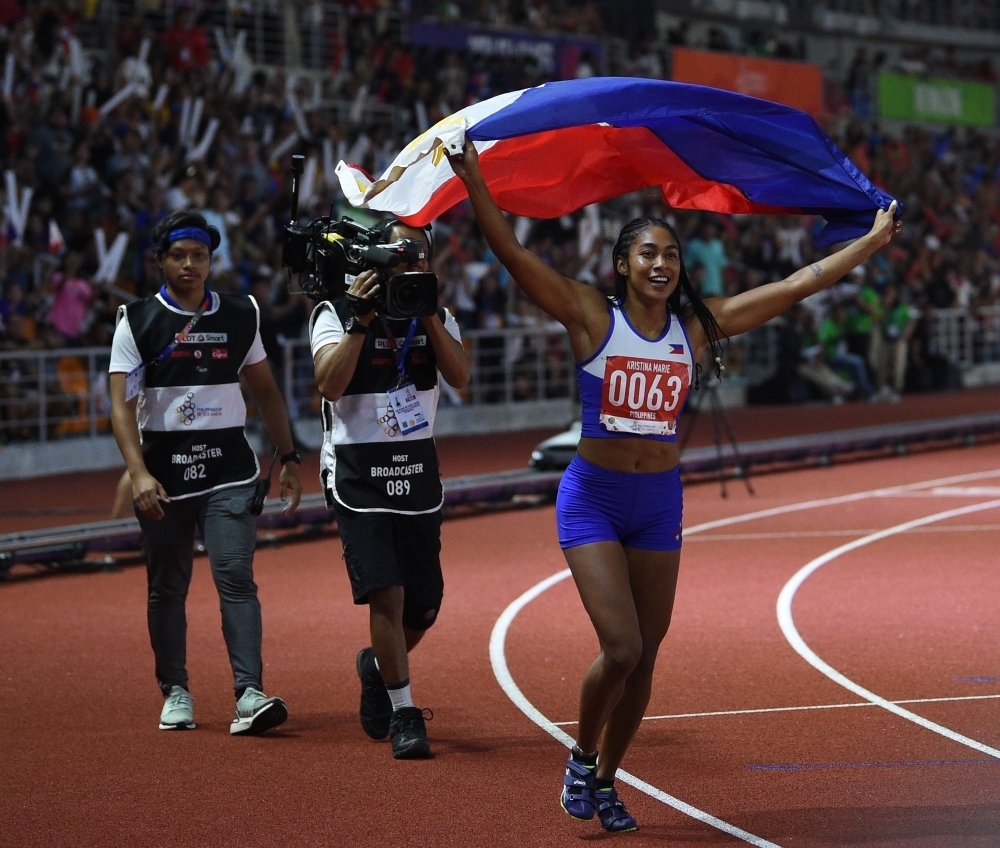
[636, 455]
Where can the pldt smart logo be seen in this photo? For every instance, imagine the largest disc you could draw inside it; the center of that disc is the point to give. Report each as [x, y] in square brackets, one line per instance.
[187, 410]
[205, 338]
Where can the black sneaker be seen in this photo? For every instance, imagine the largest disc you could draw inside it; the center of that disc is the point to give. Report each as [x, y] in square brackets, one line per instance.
[409, 736]
[376, 708]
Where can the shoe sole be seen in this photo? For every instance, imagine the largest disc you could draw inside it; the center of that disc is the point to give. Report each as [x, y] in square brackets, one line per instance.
[414, 752]
[575, 818]
[366, 726]
[182, 726]
[264, 719]
[632, 829]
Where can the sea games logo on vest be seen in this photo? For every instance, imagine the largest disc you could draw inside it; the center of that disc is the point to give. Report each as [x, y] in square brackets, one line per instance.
[189, 411]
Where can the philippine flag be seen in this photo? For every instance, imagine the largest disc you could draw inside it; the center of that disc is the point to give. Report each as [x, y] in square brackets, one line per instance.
[550, 150]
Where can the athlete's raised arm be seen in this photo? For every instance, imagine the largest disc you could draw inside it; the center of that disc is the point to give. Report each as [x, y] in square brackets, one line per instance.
[579, 308]
[757, 306]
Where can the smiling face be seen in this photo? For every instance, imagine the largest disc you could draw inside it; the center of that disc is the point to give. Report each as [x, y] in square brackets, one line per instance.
[652, 266]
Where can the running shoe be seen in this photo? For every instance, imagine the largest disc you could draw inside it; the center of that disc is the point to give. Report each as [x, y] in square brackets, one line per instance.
[178, 710]
[577, 797]
[255, 713]
[611, 811]
[409, 734]
[376, 707]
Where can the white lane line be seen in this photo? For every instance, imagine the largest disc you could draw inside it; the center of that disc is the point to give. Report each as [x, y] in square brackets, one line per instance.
[787, 623]
[498, 659]
[760, 710]
[967, 491]
[499, 635]
[818, 534]
[889, 491]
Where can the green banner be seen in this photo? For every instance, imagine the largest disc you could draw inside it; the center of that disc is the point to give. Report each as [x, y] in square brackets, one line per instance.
[941, 100]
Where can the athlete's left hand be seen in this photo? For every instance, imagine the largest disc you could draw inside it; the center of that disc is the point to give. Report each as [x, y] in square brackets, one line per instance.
[290, 485]
[886, 225]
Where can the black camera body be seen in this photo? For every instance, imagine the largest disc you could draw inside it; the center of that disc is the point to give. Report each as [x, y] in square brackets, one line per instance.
[327, 255]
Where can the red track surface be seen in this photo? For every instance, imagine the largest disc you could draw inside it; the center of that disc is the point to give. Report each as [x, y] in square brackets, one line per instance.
[912, 616]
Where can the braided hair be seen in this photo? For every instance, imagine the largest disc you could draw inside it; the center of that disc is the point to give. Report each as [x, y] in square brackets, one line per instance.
[626, 238]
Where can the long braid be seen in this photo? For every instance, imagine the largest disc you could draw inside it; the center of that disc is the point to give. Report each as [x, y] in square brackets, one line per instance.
[626, 238]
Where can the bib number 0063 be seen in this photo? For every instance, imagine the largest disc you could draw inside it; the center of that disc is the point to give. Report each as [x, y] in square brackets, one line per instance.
[632, 389]
[397, 487]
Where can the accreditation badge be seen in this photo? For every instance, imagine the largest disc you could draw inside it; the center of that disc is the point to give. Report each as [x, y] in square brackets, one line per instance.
[135, 382]
[406, 405]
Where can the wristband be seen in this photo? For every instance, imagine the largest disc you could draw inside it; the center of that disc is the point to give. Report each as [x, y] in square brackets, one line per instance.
[294, 456]
[360, 306]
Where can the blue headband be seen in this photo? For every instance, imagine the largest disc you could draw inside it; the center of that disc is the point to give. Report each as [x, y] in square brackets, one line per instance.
[196, 233]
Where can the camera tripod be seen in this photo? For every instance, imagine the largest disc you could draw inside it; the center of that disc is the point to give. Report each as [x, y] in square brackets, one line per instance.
[720, 425]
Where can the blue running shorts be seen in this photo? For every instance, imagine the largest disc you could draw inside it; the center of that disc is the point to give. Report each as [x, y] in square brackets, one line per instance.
[596, 504]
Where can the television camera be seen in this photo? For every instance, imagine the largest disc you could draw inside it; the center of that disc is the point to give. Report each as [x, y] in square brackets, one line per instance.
[327, 255]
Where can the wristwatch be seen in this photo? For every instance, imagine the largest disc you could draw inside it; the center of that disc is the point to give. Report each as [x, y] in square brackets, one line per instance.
[355, 327]
[294, 456]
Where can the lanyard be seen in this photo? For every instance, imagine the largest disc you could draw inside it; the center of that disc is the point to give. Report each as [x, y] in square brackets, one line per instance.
[400, 351]
[187, 327]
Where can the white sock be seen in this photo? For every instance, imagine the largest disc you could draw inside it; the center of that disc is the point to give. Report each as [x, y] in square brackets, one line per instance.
[400, 695]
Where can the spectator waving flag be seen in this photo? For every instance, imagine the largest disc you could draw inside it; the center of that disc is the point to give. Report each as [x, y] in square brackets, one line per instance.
[550, 150]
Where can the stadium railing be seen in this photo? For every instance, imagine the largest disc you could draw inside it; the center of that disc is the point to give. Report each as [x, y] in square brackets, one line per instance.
[967, 337]
[55, 395]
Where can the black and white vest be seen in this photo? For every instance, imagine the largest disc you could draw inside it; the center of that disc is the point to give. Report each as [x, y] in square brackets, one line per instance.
[191, 412]
[367, 465]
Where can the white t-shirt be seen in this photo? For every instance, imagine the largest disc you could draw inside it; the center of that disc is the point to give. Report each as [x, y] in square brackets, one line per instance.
[328, 330]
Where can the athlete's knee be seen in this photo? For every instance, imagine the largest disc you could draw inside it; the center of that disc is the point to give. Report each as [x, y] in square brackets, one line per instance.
[622, 653]
[387, 602]
[419, 617]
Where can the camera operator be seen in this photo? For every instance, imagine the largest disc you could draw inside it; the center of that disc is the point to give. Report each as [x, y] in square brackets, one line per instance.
[380, 475]
[178, 417]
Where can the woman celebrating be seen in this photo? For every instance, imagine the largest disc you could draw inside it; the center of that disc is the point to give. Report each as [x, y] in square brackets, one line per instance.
[619, 504]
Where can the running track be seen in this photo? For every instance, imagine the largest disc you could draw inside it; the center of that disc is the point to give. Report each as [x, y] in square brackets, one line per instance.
[762, 727]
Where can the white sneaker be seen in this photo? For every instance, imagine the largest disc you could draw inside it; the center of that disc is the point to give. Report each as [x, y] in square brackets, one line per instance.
[255, 713]
[178, 710]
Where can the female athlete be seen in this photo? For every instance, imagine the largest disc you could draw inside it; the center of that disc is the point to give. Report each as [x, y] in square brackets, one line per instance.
[619, 504]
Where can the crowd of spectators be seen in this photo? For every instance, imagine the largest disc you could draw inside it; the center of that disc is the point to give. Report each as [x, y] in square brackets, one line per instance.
[168, 115]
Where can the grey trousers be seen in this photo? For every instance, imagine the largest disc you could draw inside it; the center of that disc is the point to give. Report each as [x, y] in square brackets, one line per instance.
[230, 535]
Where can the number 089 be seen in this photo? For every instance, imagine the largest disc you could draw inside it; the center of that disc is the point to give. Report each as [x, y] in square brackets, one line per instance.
[397, 487]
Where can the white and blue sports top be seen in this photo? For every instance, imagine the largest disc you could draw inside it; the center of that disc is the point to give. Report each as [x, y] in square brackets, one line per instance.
[634, 386]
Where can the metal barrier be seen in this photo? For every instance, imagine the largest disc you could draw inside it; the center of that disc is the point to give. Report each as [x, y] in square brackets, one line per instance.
[53, 394]
[966, 337]
[48, 395]
[513, 365]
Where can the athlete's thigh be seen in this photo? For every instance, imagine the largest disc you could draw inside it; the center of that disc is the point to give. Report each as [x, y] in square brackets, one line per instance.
[601, 573]
[653, 579]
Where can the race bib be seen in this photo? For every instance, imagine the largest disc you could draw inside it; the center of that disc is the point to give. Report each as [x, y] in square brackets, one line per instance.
[643, 396]
[406, 405]
[135, 382]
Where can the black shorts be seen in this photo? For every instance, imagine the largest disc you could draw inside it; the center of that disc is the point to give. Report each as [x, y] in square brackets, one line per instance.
[385, 549]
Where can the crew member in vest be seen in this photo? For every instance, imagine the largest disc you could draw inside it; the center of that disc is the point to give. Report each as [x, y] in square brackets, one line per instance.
[380, 475]
[618, 509]
[178, 416]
